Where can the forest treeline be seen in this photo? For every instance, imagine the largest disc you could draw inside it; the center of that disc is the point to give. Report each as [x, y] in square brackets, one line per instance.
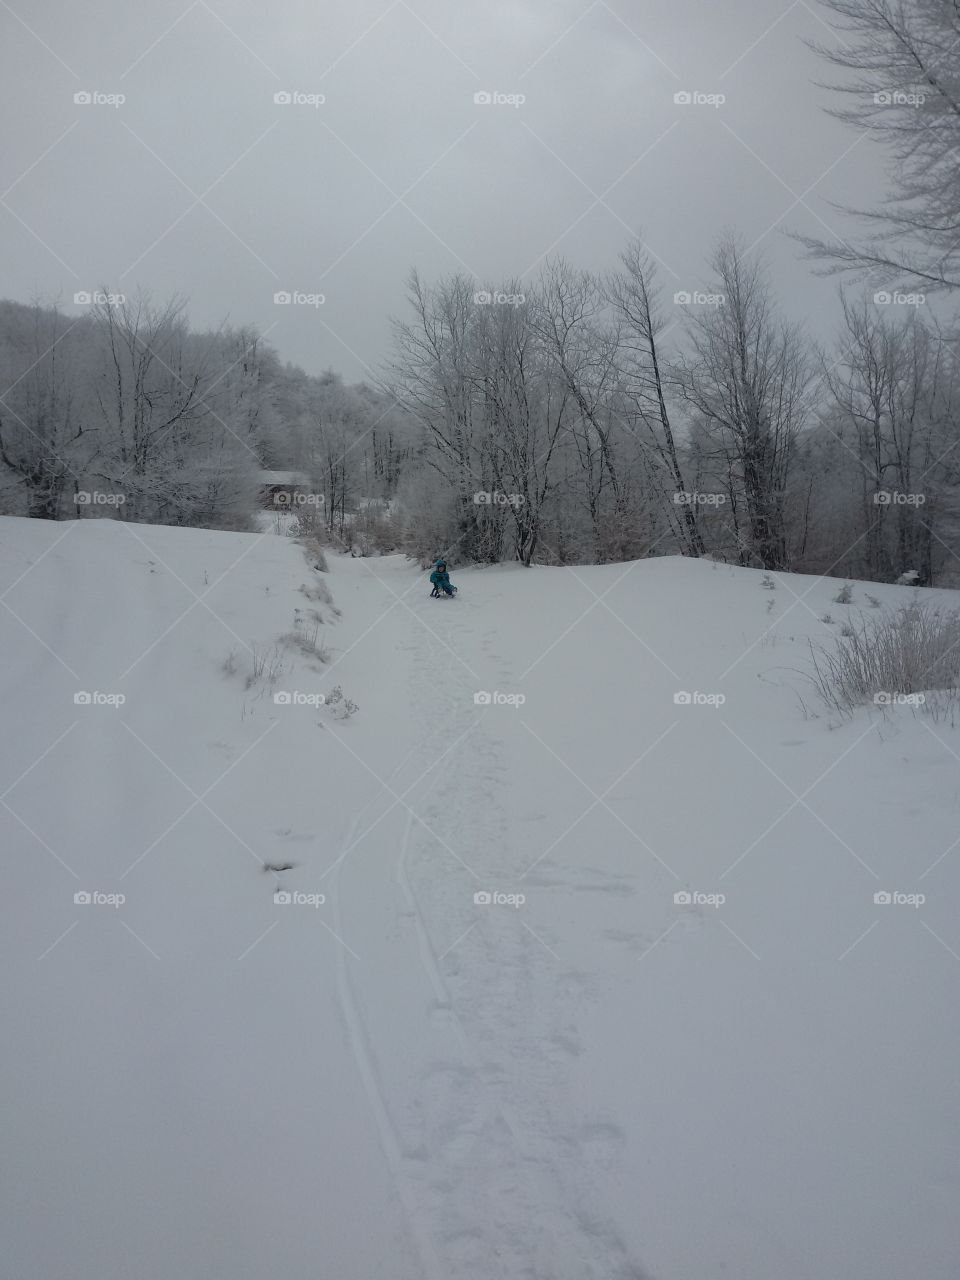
[580, 418]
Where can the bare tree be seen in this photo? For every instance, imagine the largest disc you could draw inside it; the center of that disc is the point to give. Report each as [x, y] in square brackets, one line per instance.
[633, 294]
[44, 442]
[749, 383]
[905, 92]
[580, 334]
[430, 378]
[894, 390]
[176, 414]
[525, 411]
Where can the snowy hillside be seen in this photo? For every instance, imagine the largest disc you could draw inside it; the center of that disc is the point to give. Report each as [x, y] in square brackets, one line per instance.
[473, 1031]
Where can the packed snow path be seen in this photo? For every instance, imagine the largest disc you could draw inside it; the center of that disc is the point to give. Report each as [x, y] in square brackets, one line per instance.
[579, 1078]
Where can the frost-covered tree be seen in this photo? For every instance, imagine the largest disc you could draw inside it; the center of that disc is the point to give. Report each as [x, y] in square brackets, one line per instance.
[46, 439]
[634, 295]
[903, 91]
[749, 382]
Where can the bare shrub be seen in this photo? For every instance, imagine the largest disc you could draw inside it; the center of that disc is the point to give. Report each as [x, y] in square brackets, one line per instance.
[266, 666]
[314, 548]
[319, 593]
[376, 531]
[913, 650]
[307, 639]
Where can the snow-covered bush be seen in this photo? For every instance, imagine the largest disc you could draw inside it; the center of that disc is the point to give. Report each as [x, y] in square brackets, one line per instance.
[340, 707]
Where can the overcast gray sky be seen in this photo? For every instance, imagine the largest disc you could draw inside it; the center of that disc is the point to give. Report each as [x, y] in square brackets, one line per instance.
[200, 183]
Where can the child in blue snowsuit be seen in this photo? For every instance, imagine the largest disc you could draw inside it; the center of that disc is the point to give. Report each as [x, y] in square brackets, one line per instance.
[441, 580]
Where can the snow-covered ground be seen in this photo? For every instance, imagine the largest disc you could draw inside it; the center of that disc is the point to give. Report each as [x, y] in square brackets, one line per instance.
[582, 1078]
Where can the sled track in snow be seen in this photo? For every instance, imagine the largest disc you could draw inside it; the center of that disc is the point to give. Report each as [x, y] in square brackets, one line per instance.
[366, 1066]
[554, 1235]
[481, 1200]
[616, 1265]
